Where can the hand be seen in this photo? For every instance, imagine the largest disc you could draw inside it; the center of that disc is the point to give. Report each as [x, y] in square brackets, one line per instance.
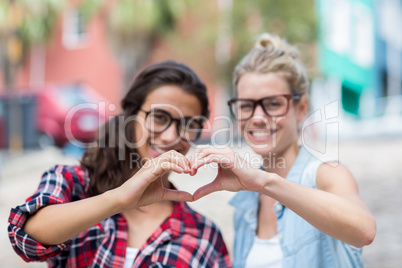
[234, 173]
[146, 186]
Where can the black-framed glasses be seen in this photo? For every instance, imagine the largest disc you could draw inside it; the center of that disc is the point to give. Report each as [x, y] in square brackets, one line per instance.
[273, 106]
[187, 127]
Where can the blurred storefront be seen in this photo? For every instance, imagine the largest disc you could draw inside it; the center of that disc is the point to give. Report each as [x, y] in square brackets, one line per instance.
[360, 58]
[361, 47]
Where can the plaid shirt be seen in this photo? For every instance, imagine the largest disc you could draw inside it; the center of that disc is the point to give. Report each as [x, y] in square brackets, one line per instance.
[184, 239]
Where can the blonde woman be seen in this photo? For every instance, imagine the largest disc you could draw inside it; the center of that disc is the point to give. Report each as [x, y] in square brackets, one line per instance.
[300, 212]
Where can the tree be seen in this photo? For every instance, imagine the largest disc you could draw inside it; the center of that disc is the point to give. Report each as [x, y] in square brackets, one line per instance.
[135, 26]
[292, 20]
[24, 24]
[228, 29]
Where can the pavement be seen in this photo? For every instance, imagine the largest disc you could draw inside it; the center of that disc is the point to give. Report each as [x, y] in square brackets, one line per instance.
[375, 163]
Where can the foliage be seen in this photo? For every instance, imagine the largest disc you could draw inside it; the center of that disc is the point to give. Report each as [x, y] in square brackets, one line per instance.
[88, 9]
[37, 19]
[241, 22]
[134, 27]
[26, 23]
[293, 20]
[130, 17]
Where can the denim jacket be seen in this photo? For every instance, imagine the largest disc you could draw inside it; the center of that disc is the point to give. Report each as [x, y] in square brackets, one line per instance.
[302, 244]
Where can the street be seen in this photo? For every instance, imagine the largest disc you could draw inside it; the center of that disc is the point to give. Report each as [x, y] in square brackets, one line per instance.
[375, 163]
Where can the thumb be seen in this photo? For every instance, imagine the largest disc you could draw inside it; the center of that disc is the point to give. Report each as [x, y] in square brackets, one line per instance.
[174, 195]
[207, 189]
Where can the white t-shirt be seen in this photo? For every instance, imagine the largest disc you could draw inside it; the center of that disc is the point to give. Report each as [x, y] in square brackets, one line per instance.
[265, 253]
[131, 253]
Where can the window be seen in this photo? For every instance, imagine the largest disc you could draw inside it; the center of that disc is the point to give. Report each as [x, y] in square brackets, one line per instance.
[75, 35]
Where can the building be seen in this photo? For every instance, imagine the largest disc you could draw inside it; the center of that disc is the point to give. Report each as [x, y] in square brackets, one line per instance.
[360, 58]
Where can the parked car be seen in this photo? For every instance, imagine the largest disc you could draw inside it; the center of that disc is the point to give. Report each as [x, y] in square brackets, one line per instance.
[67, 113]
[60, 114]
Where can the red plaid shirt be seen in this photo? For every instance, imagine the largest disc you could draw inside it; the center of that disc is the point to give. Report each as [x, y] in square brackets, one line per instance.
[185, 239]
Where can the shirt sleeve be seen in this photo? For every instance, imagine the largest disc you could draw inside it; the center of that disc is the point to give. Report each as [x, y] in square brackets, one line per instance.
[60, 184]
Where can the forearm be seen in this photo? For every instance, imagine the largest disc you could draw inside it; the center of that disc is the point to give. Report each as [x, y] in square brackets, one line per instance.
[56, 224]
[333, 215]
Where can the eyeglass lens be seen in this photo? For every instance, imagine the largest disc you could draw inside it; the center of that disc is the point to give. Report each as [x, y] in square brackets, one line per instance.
[272, 106]
[187, 128]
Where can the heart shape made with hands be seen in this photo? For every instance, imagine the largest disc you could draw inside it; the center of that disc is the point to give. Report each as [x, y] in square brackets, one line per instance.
[149, 184]
[230, 175]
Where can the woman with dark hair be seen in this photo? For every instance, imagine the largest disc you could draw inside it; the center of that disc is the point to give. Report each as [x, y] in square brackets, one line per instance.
[118, 209]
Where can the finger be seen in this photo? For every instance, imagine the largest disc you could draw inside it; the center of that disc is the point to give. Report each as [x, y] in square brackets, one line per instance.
[193, 171]
[223, 160]
[211, 151]
[166, 166]
[191, 159]
[202, 162]
[199, 150]
[206, 190]
[194, 159]
[214, 149]
[184, 162]
[178, 159]
[174, 195]
[198, 157]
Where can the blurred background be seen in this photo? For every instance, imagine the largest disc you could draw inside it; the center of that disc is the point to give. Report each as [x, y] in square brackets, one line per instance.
[57, 55]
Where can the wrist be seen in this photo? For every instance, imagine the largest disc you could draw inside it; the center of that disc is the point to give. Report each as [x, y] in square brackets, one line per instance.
[268, 182]
[116, 203]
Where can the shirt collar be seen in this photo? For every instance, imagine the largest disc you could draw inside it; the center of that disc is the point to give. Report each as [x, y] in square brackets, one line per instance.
[298, 166]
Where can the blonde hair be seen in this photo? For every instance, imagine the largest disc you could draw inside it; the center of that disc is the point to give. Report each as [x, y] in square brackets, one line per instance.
[271, 54]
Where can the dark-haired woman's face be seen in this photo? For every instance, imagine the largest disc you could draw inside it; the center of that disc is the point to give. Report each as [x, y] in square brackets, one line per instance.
[165, 101]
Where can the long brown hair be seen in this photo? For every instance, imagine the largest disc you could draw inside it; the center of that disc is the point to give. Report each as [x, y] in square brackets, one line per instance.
[108, 162]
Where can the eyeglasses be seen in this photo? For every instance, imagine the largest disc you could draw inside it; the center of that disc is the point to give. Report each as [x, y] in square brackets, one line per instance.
[188, 128]
[274, 106]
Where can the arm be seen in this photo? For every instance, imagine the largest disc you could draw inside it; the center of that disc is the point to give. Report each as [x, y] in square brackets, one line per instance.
[335, 208]
[55, 224]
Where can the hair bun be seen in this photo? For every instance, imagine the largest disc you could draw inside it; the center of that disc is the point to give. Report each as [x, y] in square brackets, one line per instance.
[273, 42]
[266, 40]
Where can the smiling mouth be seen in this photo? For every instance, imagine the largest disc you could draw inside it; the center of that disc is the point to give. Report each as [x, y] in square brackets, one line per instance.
[261, 133]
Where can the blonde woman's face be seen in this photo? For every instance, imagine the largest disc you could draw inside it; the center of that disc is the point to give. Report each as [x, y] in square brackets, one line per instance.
[266, 134]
